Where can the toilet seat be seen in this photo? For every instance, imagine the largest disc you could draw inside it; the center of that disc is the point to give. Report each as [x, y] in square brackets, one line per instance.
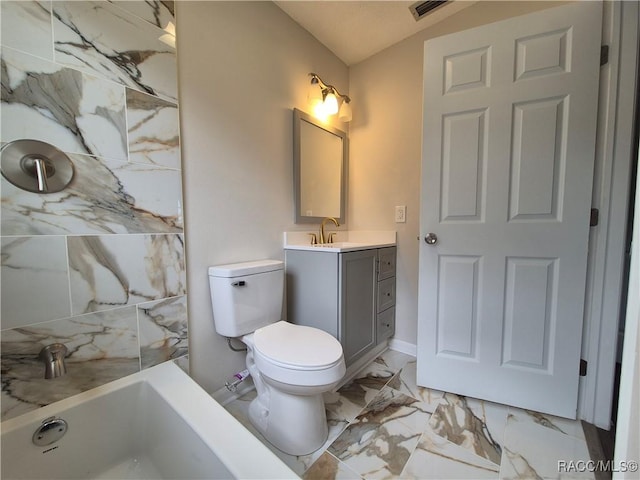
[297, 346]
[297, 354]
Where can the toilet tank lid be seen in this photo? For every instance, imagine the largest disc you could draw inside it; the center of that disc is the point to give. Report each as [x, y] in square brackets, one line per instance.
[241, 269]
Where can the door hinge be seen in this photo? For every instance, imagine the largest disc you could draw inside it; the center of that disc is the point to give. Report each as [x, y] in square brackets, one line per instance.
[583, 368]
[604, 55]
[594, 218]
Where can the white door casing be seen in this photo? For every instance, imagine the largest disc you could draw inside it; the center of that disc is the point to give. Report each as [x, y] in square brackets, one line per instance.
[507, 170]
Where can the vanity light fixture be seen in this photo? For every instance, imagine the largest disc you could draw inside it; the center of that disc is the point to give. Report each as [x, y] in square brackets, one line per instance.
[323, 99]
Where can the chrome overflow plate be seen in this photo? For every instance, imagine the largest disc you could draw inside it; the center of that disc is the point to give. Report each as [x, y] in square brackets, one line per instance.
[51, 430]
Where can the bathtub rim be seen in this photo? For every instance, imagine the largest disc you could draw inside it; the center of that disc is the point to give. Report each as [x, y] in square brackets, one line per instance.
[196, 407]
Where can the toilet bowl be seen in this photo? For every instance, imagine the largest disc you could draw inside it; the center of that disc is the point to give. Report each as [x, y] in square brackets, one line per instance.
[291, 365]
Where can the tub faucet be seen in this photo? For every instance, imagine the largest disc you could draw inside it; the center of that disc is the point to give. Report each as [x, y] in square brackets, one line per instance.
[325, 220]
[53, 358]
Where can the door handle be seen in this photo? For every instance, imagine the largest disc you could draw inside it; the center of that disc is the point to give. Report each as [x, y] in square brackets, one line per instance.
[431, 239]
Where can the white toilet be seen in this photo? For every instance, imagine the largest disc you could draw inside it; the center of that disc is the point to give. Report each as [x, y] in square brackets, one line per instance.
[291, 365]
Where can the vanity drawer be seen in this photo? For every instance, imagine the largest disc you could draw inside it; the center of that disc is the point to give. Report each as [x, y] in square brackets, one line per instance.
[386, 324]
[386, 263]
[386, 294]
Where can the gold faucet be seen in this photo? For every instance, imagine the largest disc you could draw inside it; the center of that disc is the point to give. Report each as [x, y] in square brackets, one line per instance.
[325, 220]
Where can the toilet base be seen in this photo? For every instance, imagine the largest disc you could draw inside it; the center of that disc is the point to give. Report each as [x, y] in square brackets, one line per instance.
[295, 424]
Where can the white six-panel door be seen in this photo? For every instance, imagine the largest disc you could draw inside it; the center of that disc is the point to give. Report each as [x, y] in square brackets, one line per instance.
[508, 154]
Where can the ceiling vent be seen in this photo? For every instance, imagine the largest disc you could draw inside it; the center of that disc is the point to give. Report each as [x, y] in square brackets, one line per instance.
[422, 9]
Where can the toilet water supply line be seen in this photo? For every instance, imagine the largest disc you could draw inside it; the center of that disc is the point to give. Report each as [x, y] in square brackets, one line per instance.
[233, 382]
[237, 379]
[234, 348]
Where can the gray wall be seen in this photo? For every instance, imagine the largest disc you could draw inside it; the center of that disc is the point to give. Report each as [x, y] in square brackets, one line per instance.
[243, 67]
[386, 143]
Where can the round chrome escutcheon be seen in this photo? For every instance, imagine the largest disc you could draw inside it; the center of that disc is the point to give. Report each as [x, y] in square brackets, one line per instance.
[51, 430]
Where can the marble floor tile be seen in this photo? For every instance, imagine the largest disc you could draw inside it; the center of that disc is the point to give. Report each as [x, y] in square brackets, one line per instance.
[473, 424]
[405, 432]
[564, 426]
[328, 467]
[392, 360]
[375, 375]
[533, 450]
[378, 443]
[336, 427]
[437, 458]
[351, 398]
[405, 382]
[345, 405]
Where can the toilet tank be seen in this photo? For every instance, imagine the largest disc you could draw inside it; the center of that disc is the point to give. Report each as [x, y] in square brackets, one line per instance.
[246, 296]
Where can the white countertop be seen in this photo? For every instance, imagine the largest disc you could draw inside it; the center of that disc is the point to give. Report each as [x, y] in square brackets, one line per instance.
[344, 241]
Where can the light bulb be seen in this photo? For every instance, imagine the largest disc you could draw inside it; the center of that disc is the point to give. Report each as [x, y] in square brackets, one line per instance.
[320, 112]
[331, 104]
[345, 113]
[314, 93]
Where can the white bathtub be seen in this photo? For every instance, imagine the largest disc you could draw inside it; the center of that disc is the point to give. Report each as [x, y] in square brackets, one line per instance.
[155, 424]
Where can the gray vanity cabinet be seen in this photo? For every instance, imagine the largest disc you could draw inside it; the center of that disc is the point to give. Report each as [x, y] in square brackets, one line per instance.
[357, 300]
[350, 295]
[386, 294]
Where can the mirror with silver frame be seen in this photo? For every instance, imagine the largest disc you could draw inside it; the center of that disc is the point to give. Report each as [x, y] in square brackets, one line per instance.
[320, 159]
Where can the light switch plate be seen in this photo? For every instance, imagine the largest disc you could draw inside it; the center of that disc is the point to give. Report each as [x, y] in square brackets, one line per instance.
[401, 214]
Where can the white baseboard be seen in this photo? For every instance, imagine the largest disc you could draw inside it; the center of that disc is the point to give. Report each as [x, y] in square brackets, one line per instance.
[404, 347]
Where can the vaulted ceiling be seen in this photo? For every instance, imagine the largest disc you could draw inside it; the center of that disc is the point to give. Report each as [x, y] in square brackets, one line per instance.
[356, 30]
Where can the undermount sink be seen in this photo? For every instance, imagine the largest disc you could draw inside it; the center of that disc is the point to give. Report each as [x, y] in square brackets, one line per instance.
[346, 241]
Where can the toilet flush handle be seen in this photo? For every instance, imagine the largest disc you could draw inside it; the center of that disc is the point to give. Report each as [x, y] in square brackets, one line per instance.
[240, 283]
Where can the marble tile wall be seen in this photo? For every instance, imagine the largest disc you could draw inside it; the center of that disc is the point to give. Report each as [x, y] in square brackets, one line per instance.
[100, 265]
